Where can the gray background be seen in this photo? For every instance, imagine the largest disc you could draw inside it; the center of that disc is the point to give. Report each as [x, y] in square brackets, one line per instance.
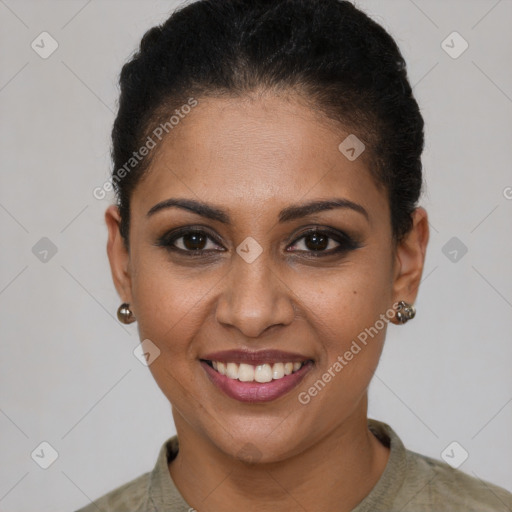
[68, 375]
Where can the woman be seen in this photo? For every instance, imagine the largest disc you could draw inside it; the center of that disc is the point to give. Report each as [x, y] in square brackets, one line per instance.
[267, 164]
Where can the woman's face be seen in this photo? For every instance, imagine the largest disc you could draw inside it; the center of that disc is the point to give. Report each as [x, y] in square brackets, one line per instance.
[264, 289]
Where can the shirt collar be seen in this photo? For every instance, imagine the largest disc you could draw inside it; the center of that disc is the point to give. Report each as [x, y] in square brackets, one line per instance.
[162, 493]
[383, 493]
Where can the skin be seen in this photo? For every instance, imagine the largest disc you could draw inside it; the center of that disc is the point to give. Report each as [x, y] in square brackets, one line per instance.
[252, 157]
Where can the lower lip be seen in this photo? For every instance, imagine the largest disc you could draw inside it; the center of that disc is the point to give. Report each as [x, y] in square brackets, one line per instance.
[256, 392]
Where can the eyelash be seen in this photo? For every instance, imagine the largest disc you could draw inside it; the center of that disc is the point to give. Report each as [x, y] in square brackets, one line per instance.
[346, 243]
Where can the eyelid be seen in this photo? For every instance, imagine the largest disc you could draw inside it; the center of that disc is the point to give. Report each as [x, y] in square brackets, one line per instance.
[345, 241]
[169, 238]
[323, 230]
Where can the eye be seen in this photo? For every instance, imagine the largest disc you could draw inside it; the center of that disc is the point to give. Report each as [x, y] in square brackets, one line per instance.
[320, 242]
[315, 242]
[193, 241]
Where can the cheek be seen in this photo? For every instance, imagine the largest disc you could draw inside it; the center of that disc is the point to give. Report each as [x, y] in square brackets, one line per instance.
[350, 335]
[173, 305]
[347, 315]
[344, 302]
[169, 308]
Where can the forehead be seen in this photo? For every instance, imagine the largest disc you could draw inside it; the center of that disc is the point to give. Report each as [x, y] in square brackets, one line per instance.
[256, 152]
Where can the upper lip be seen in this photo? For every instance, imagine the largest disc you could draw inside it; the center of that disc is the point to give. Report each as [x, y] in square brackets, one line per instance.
[255, 357]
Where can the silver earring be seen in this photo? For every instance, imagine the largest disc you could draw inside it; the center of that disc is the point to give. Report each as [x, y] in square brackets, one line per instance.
[405, 312]
[125, 314]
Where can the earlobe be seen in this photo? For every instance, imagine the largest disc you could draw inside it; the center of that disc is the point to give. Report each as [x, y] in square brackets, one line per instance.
[410, 258]
[118, 256]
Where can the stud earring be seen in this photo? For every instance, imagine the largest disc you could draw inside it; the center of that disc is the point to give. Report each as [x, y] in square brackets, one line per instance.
[405, 312]
[125, 314]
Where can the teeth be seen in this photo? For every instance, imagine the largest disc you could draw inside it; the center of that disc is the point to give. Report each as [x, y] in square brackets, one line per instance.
[263, 373]
[232, 370]
[246, 373]
[260, 373]
[278, 371]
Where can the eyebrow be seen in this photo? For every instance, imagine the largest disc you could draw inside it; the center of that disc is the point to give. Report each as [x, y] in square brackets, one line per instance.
[286, 215]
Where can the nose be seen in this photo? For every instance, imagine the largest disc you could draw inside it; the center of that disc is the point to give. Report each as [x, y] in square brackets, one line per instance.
[254, 298]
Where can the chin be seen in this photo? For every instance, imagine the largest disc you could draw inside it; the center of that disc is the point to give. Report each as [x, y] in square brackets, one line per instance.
[253, 445]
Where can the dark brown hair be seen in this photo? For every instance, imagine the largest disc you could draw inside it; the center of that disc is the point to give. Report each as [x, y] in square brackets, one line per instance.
[328, 51]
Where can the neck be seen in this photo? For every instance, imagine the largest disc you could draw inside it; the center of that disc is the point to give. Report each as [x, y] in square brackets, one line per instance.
[336, 473]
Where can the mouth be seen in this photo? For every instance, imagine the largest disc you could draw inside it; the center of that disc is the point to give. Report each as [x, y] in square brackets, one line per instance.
[261, 373]
[255, 376]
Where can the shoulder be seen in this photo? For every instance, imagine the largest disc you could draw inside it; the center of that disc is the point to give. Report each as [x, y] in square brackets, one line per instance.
[146, 493]
[432, 483]
[131, 496]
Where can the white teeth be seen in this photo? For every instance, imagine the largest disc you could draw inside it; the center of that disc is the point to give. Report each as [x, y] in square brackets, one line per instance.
[263, 373]
[232, 371]
[278, 371]
[246, 373]
[260, 373]
[221, 368]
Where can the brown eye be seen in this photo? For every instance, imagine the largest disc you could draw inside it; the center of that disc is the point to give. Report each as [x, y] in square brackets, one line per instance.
[194, 241]
[191, 241]
[315, 241]
[318, 242]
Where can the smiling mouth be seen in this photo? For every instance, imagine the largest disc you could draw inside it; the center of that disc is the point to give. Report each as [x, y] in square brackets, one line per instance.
[261, 373]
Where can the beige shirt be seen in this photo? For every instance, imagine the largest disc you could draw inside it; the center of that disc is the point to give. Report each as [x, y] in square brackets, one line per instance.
[411, 482]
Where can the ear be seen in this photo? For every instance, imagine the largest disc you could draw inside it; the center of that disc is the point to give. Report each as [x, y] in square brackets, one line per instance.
[118, 255]
[410, 259]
